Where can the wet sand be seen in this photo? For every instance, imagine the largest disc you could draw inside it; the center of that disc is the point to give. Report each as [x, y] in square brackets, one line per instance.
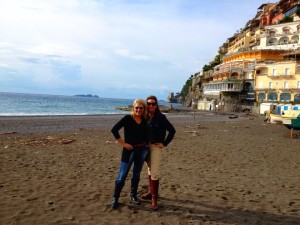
[217, 170]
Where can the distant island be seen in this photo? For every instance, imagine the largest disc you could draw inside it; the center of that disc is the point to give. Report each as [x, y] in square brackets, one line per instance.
[88, 95]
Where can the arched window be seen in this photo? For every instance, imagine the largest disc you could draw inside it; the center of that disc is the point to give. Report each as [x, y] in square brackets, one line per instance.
[272, 32]
[261, 96]
[272, 96]
[234, 75]
[295, 39]
[285, 97]
[286, 30]
[284, 41]
[297, 98]
[272, 41]
[248, 87]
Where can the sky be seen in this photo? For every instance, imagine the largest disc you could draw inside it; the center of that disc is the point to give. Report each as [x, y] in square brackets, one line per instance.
[112, 48]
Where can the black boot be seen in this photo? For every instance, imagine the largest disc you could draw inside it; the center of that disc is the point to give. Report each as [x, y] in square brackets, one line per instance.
[118, 188]
[133, 193]
[115, 202]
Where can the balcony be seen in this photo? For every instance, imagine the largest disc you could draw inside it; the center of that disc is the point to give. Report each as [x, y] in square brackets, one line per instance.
[273, 76]
[264, 89]
[286, 75]
[297, 89]
[222, 70]
[280, 34]
[249, 68]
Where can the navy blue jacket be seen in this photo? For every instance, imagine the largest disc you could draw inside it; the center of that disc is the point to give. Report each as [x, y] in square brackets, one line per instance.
[158, 127]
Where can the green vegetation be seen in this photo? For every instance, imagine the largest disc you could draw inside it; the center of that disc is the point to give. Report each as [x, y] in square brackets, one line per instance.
[217, 60]
[185, 89]
[287, 19]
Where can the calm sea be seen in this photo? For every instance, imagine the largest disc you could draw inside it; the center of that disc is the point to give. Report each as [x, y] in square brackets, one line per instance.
[16, 104]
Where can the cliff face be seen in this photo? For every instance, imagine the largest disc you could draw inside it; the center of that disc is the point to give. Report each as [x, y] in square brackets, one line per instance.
[191, 98]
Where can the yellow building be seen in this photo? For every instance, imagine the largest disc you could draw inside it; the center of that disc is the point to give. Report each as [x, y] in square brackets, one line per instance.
[241, 41]
[258, 66]
[237, 73]
[278, 82]
[245, 40]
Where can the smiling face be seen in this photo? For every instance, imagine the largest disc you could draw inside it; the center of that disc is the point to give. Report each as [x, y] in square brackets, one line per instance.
[151, 105]
[138, 109]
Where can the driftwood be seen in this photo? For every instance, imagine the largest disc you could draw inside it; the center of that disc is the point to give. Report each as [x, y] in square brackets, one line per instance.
[12, 132]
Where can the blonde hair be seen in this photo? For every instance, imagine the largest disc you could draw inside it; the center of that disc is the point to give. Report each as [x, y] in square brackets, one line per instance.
[139, 101]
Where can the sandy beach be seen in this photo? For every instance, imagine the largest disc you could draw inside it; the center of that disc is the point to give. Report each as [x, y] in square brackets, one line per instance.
[61, 170]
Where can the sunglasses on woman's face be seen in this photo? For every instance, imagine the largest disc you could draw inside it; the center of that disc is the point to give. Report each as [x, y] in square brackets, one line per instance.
[151, 103]
[140, 108]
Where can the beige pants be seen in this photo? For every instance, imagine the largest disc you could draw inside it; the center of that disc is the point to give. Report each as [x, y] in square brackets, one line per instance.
[153, 162]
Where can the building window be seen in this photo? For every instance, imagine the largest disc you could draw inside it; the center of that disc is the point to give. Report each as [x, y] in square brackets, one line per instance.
[287, 71]
[274, 72]
[272, 32]
[270, 85]
[298, 84]
[261, 96]
[297, 99]
[286, 30]
[249, 75]
[285, 85]
[272, 96]
[285, 97]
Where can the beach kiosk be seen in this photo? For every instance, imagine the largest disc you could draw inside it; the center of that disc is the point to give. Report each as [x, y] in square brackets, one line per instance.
[265, 107]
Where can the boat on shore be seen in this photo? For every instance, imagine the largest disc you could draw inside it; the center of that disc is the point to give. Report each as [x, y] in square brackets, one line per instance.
[285, 118]
[292, 125]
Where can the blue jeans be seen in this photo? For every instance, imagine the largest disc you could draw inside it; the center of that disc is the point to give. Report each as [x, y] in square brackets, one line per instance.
[137, 158]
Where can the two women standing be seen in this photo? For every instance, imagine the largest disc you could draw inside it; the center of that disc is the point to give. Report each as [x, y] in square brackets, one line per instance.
[142, 130]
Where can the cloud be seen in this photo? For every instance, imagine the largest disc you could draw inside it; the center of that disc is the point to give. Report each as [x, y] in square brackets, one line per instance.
[127, 54]
[96, 46]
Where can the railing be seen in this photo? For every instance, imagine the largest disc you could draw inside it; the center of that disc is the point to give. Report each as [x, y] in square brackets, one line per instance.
[290, 89]
[264, 89]
[222, 89]
[286, 75]
[277, 47]
[225, 70]
[273, 76]
[283, 43]
[280, 34]
[279, 75]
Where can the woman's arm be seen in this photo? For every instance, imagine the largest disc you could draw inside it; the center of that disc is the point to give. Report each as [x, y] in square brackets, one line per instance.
[171, 132]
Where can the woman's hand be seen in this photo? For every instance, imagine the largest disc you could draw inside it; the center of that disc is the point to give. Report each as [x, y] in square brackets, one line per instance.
[159, 145]
[127, 146]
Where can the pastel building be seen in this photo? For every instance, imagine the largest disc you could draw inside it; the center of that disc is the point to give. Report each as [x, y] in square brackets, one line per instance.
[278, 82]
[262, 62]
[236, 74]
[281, 36]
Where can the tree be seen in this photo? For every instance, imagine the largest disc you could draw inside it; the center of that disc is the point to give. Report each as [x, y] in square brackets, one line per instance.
[185, 89]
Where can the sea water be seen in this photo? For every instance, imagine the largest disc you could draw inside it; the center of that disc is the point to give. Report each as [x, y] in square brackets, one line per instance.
[17, 104]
